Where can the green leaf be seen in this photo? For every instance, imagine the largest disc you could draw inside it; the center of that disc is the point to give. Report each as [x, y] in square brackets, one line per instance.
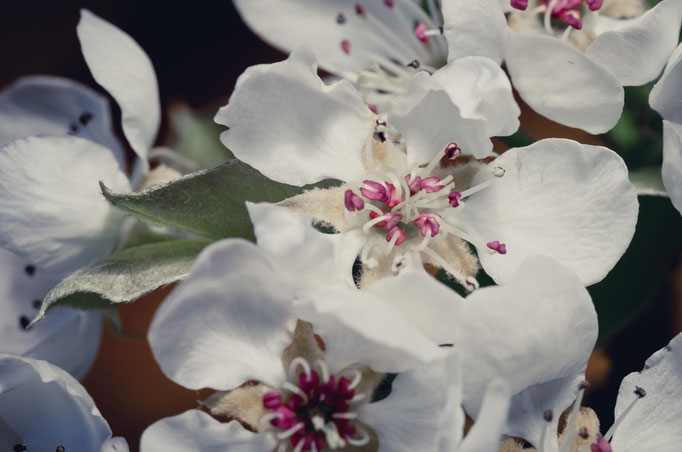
[124, 276]
[209, 203]
[197, 137]
[648, 181]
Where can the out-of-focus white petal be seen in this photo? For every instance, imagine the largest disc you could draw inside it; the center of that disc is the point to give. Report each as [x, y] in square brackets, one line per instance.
[654, 422]
[636, 53]
[43, 407]
[227, 323]
[285, 122]
[557, 198]
[196, 430]
[537, 329]
[51, 210]
[672, 162]
[52, 106]
[474, 28]
[375, 33]
[120, 65]
[560, 82]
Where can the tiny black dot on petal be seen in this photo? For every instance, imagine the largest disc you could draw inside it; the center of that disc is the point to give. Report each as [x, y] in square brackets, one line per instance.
[60, 449]
[340, 19]
[73, 128]
[24, 321]
[20, 448]
[30, 270]
[36, 304]
[85, 118]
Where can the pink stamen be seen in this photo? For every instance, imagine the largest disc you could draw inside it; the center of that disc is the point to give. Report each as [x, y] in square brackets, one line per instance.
[498, 247]
[308, 382]
[454, 197]
[428, 223]
[373, 108]
[353, 202]
[519, 4]
[594, 4]
[388, 3]
[452, 151]
[571, 18]
[414, 184]
[601, 446]
[345, 46]
[420, 32]
[272, 400]
[400, 233]
[389, 223]
[431, 184]
[360, 10]
[375, 192]
[393, 197]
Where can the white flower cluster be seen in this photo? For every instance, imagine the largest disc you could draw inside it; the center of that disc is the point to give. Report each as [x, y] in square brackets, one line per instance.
[330, 331]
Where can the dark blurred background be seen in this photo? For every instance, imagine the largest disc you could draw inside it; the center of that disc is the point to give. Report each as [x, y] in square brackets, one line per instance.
[198, 50]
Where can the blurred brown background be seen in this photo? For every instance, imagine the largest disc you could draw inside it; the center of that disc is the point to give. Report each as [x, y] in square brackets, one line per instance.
[199, 49]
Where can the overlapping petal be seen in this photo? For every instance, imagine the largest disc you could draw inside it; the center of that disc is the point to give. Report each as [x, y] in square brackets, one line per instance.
[120, 65]
[672, 162]
[537, 329]
[196, 430]
[44, 407]
[636, 53]
[557, 198]
[51, 210]
[562, 83]
[285, 122]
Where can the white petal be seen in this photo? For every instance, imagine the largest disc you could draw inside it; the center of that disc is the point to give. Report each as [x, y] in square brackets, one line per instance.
[120, 65]
[51, 209]
[637, 53]
[302, 253]
[45, 407]
[672, 162]
[44, 105]
[474, 28]
[666, 95]
[486, 433]
[116, 444]
[423, 302]
[560, 82]
[654, 422]
[380, 34]
[285, 122]
[361, 328]
[429, 120]
[411, 417]
[68, 338]
[227, 323]
[558, 198]
[538, 328]
[196, 430]
[481, 89]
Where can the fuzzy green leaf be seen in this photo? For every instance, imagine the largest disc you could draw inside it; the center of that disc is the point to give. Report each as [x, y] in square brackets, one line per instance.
[208, 203]
[124, 276]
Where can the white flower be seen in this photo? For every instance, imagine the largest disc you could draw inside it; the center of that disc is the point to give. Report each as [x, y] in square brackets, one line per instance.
[42, 407]
[541, 350]
[400, 195]
[68, 338]
[58, 143]
[379, 44]
[568, 59]
[52, 212]
[665, 99]
[311, 346]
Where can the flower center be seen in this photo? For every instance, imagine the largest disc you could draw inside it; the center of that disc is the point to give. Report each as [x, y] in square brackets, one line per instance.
[568, 12]
[406, 213]
[313, 412]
